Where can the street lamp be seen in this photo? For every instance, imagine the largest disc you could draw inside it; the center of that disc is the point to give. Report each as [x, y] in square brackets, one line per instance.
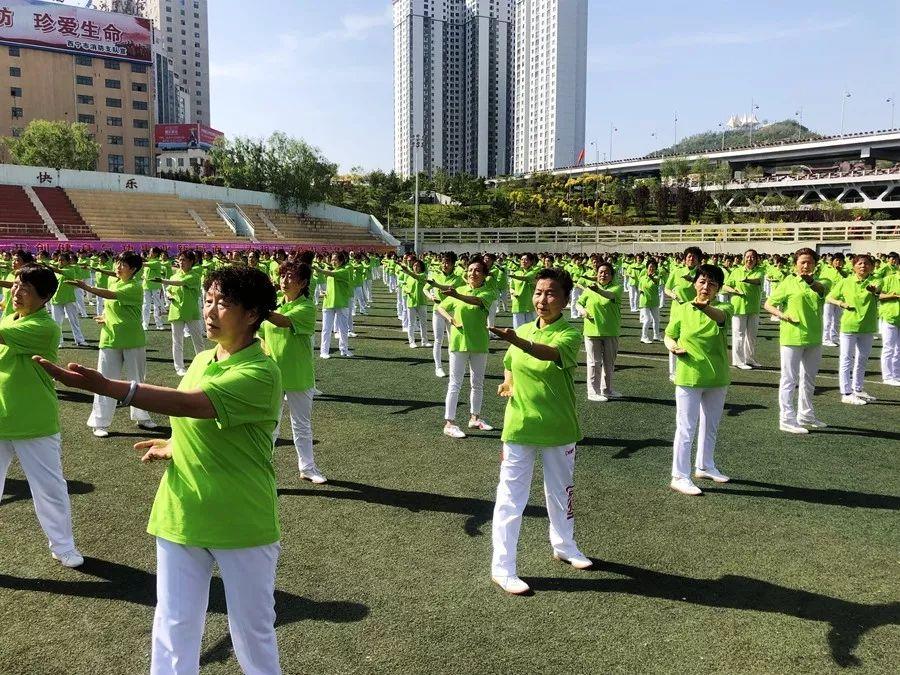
[597, 150]
[676, 127]
[611, 130]
[417, 142]
[891, 101]
[753, 107]
[799, 115]
[722, 127]
[843, 106]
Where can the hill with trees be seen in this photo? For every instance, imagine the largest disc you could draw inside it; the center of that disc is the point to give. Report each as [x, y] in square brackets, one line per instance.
[786, 130]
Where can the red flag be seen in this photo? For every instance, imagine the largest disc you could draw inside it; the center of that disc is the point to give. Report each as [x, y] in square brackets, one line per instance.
[580, 160]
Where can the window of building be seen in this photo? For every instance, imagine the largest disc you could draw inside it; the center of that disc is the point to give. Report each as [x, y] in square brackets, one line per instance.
[81, 60]
[113, 102]
[114, 121]
[15, 92]
[17, 112]
[138, 67]
[15, 71]
[113, 84]
[141, 124]
[111, 65]
[86, 80]
[83, 99]
[138, 86]
[86, 119]
[142, 142]
[116, 164]
[115, 140]
[139, 105]
[14, 51]
[142, 166]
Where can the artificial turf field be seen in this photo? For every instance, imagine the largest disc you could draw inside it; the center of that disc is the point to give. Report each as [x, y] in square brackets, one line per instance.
[791, 567]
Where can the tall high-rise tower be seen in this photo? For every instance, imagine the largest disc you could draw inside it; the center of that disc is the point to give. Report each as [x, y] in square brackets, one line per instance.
[550, 83]
[452, 76]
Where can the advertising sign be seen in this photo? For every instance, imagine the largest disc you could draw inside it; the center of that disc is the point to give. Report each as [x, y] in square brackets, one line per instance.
[65, 28]
[185, 136]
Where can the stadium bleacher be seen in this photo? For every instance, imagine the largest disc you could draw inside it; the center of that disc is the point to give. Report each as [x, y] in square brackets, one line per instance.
[18, 217]
[64, 213]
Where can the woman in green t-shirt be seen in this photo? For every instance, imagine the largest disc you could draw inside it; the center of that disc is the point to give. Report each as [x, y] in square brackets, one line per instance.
[62, 305]
[538, 380]
[889, 313]
[798, 301]
[648, 302]
[287, 338]
[416, 302]
[184, 307]
[521, 289]
[122, 338]
[601, 306]
[336, 306]
[466, 310]
[217, 502]
[696, 335]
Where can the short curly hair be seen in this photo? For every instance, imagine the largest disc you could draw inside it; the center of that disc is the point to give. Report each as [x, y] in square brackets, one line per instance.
[248, 287]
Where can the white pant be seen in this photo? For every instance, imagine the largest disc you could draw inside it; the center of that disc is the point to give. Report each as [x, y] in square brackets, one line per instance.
[79, 302]
[70, 312]
[156, 301]
[332, 319]
[401, 306]
[440, 329]
[358, 301]
[477, 364]
[831, 322]
[516, 469]
[183, 575]
[890, 351]
[573, 303]
[100, 304]
[299, 404]
[633, 296]
[743, 339]
[195, 328]
[41, 463]
[799, 366]
[692, 405]
[521, 318]
[855, 349]
[649, 322]
[110, 363]
[601, 363]
[492, 314]
[417, 317]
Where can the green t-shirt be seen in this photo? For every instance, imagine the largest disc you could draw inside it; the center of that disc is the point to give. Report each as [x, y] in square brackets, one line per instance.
[219, 488]
[153, 269]
[474, 336]
[7, 296]
[522, 292]
[122, 327]
[414, 290]
[649, 290]
[541, 410]
[185, 305]
[606, 313]
[28, 405]
[103, 280]
[747, 304]
[863, 318]
[65, 294]
[706, 361]
[291, 348]
[796, 299]
[889, 310]
[438, 276]
[338, 288]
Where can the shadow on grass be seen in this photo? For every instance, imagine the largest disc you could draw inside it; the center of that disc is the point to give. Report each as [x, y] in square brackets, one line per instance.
[17, 490]
[72, 396]
[825, 496]
[865, 433]
[406, 405]
[410, 360]
[115, 581]
[478, 511]
[847, 621]
[731, 409]
[627, 447]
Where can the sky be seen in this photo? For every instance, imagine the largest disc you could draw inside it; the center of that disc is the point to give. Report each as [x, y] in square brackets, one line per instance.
[322, 70]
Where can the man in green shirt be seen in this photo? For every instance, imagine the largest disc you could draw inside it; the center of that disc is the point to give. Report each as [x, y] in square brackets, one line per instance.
[29, 411]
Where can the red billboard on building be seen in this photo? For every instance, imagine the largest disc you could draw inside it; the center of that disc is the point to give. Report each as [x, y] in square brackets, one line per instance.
[185, 136]
[64, 28]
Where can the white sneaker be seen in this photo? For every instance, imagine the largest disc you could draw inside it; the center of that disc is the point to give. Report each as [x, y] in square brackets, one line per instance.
[413, 345]
[316, 392]
[743, 366]
[480, 424]
[454, 431]
[865, 397]
[439, 372]
[598, 398]
[852, 399]
[646, 341]
[613, 394]
[70, 558]
[685, 486]
[829, 343]
[512, 585]
[347, 355]
[180, 372]
[101, 432]
[313, 476]
[712, 474]
[892, 383]
[789, 428]
[814, 423]
[426, 344]
[324, 356]
[148, 425]
[352, 334]
[579, 562]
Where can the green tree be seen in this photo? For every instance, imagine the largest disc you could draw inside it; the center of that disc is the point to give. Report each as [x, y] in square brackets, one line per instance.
[54, 144]
[662, 200]
[675, 168]
[641, 199]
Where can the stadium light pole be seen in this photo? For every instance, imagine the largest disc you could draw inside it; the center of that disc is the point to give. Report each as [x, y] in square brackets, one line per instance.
[676, 127]
[612, 129]
[722, 127]
[596, 150]
[799, 115]
[843, 106]
[753, 107]
[417, 141]
[891, 101]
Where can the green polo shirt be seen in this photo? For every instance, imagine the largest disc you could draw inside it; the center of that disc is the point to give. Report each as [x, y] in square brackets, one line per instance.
[122, 327]
[291, 348]
[606, 313]
[414, 290]
[65, 294]
[219, 488]
[185, 305]
[522, 292]
[541, 410]
[747, 304]
[889, 310]
[863, 318]
[153, 269]
[338, 288]
[795, 298]
[706, 361]
[28, 405]
[649, 291]
[474, 336]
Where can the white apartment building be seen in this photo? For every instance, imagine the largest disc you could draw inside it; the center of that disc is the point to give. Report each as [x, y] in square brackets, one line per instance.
[550, 83]
[452, 85]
